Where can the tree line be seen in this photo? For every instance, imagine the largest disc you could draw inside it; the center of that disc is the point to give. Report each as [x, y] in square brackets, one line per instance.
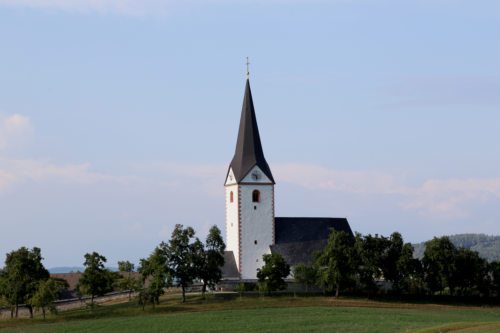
[360, 263]
[374, 264]
[184, 258]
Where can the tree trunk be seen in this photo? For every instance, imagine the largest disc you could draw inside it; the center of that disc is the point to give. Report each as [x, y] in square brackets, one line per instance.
[203, 290]
[337, 291]
[183, 294]
[92, 301]
[17, 310]
[130, 295]
[30, 308]
[43, 313]
[11, 312]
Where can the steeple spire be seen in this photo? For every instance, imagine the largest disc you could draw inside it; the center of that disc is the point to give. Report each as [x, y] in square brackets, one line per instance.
[248, 69]
[248, 151]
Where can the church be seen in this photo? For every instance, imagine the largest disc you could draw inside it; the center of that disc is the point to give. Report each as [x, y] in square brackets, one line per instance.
[252, 229]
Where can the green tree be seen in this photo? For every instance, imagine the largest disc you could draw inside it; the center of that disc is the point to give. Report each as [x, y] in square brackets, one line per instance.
[410, 275]
[337, 262]
[155, 276]
[240, 289]
[3, 290]
[127, 281]
[305, 274]
[210, 258]
[21, 275]
[494, 272]
[369, 251]
[390, 258]
[398, 262]
[439, 264]
[47, 292]
[96, 280]
[272, 275]
[470, 272]
[182, 251]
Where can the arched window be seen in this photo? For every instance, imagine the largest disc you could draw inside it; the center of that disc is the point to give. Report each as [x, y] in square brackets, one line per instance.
[231, 197]
[255, 196]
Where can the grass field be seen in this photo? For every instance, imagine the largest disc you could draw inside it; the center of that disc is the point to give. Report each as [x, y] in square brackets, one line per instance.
[276, 314]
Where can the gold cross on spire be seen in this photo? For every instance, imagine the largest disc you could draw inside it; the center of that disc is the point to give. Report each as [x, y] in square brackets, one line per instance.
[248, 68]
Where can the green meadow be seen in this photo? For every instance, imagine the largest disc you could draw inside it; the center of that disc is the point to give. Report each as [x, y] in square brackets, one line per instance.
[266, 314]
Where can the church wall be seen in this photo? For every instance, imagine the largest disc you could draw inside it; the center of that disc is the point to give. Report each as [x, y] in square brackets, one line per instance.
[233, 222]
[257, 224]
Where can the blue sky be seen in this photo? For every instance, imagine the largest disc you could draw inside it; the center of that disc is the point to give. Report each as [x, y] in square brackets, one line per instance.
[118, 118]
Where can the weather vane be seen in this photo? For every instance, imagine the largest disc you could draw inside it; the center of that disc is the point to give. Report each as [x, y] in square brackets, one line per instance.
[248, 68]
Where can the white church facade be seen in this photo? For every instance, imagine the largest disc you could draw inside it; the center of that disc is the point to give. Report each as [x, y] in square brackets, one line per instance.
[251, 226]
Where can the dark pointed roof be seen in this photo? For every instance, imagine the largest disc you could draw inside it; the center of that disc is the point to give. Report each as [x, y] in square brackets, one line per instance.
[302, 229]
[298, 238]
[248, 147]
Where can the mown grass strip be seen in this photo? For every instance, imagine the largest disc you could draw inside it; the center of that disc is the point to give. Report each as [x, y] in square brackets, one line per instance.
[463, 328]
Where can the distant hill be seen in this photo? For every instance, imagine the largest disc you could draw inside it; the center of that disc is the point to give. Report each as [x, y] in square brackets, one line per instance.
[64, 269]
[59, 270]
[488, 247]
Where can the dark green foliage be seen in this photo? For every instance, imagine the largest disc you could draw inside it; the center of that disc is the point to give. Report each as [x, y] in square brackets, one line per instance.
[209, 258]
[155, 276]
[245, 286]
[126, 280]
[337, 262]
[405, 267]
[389, 259]
[494, 274]
[439, 264]
[96, 280]
[21, 276]
[183, 259]
[272, 275]
[182, 251]
[4, 292]
[369, 251]
[47, 292]
[411, 275]
[125, 266]
[306, 275]
[470, 274]
[393, 261]
[488, 247]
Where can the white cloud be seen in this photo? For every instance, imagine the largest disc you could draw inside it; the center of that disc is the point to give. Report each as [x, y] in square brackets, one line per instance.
[125, 7]
[437, 199]
[208, 177]
[453, 198]
[434, 198]
[15, 129]
[319, 177]
[39, 171]
[133, 7]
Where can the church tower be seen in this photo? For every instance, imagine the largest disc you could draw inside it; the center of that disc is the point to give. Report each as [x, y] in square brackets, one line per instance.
[249, 191]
